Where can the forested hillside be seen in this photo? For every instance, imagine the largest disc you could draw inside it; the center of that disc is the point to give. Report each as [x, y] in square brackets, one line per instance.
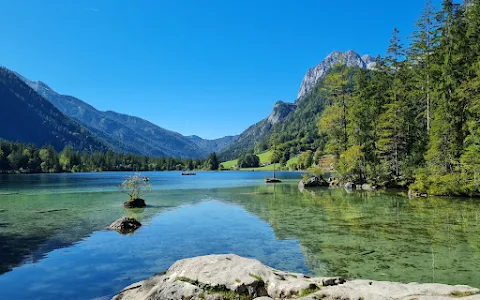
[416, 118]
[27, 117]
[123, 133]
[215, 145]
[255, 134]
[412, 121]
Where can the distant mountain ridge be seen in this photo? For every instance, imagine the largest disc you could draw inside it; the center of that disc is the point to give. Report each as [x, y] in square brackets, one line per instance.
[129, 134]
[125, 133]
[215, 145]
[29, 118]
[283, 110]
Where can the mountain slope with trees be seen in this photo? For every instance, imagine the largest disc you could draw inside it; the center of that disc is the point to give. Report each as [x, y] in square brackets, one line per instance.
[255, 138]
[215, 145]
[254, 135]
[128, 134]
[412, 121]
[29, 118]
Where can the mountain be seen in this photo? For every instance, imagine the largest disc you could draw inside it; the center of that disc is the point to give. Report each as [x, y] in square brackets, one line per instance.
[129, 134]
[29, 118]
[349, 58]
[284, 112]
[215, 145]
[258, 131]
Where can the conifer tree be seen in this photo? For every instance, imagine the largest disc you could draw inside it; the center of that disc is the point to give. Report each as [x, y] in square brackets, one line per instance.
[392, 143]
[420, 56]
[470, 92]
[446, 135]
[333, 121]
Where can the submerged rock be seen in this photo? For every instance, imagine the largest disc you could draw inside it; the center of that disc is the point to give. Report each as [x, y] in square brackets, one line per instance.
[229, 276]
[125, 225]
[135, 203]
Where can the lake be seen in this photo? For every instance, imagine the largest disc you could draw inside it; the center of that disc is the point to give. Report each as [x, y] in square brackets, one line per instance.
[54, 243]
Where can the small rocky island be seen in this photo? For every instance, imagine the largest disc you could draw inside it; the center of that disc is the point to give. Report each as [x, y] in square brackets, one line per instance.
[135, 186]
[228, 277]
[125, 225]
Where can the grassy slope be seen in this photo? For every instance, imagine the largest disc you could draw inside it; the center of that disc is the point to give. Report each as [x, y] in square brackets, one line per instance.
[264, 158]
[230, 163]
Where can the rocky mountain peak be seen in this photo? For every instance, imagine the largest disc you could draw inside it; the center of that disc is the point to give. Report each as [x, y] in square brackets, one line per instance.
[37, 86]
[349, 58]
[280, 111]
[369, 61]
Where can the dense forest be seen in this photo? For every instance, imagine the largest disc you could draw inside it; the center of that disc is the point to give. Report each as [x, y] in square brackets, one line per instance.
[21, 158]
[413, 121]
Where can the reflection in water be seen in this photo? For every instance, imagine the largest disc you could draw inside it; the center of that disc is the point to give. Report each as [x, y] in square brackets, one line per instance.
[326, 232]
[377, 236]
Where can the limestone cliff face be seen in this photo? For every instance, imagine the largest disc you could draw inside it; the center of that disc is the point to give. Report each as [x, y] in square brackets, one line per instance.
[349, 58]
[280, 111]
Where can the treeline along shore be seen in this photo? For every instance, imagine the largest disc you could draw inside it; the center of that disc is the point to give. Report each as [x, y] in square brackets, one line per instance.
[23, 158]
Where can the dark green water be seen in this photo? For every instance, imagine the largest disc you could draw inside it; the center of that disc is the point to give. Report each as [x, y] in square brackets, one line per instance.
[53, 242]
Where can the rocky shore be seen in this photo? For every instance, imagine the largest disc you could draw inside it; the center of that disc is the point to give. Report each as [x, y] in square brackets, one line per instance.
[228, 276]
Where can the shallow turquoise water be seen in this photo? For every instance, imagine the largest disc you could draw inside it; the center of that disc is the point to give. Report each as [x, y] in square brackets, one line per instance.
[53, 242]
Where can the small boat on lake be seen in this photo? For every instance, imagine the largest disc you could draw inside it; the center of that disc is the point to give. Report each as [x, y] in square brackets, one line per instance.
[188, 173]
[273, 179]
[146, 179]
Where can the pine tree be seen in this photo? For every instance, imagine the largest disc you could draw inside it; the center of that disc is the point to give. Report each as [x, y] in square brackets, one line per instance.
[393, 128]
[420, 54]
[470, 92]
[333, 121]
[446, 135]
[361, 124]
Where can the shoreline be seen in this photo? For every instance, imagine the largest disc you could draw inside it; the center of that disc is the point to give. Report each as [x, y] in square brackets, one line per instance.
[139, 171]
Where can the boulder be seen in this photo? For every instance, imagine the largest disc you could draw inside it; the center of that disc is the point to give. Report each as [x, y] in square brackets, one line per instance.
[135, 203]
[412, 194]
[228, 276]
[368, 187]
[125, 225]
[350, 186]
[314, 181]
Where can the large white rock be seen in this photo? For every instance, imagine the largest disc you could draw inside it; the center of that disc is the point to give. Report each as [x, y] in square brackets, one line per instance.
[221, 277]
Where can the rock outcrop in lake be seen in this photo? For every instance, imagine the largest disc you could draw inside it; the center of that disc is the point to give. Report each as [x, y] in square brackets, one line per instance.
[315, 181]
[125, 225]
[135, 203]
[229, 276]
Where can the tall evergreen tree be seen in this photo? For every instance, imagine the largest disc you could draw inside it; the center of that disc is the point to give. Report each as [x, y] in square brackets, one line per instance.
[469, 91]
[420, 56]
[333, 121]
[446, 135]
[392, 144]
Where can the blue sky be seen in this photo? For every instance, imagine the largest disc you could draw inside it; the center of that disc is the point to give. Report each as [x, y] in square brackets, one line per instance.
[210, 68]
